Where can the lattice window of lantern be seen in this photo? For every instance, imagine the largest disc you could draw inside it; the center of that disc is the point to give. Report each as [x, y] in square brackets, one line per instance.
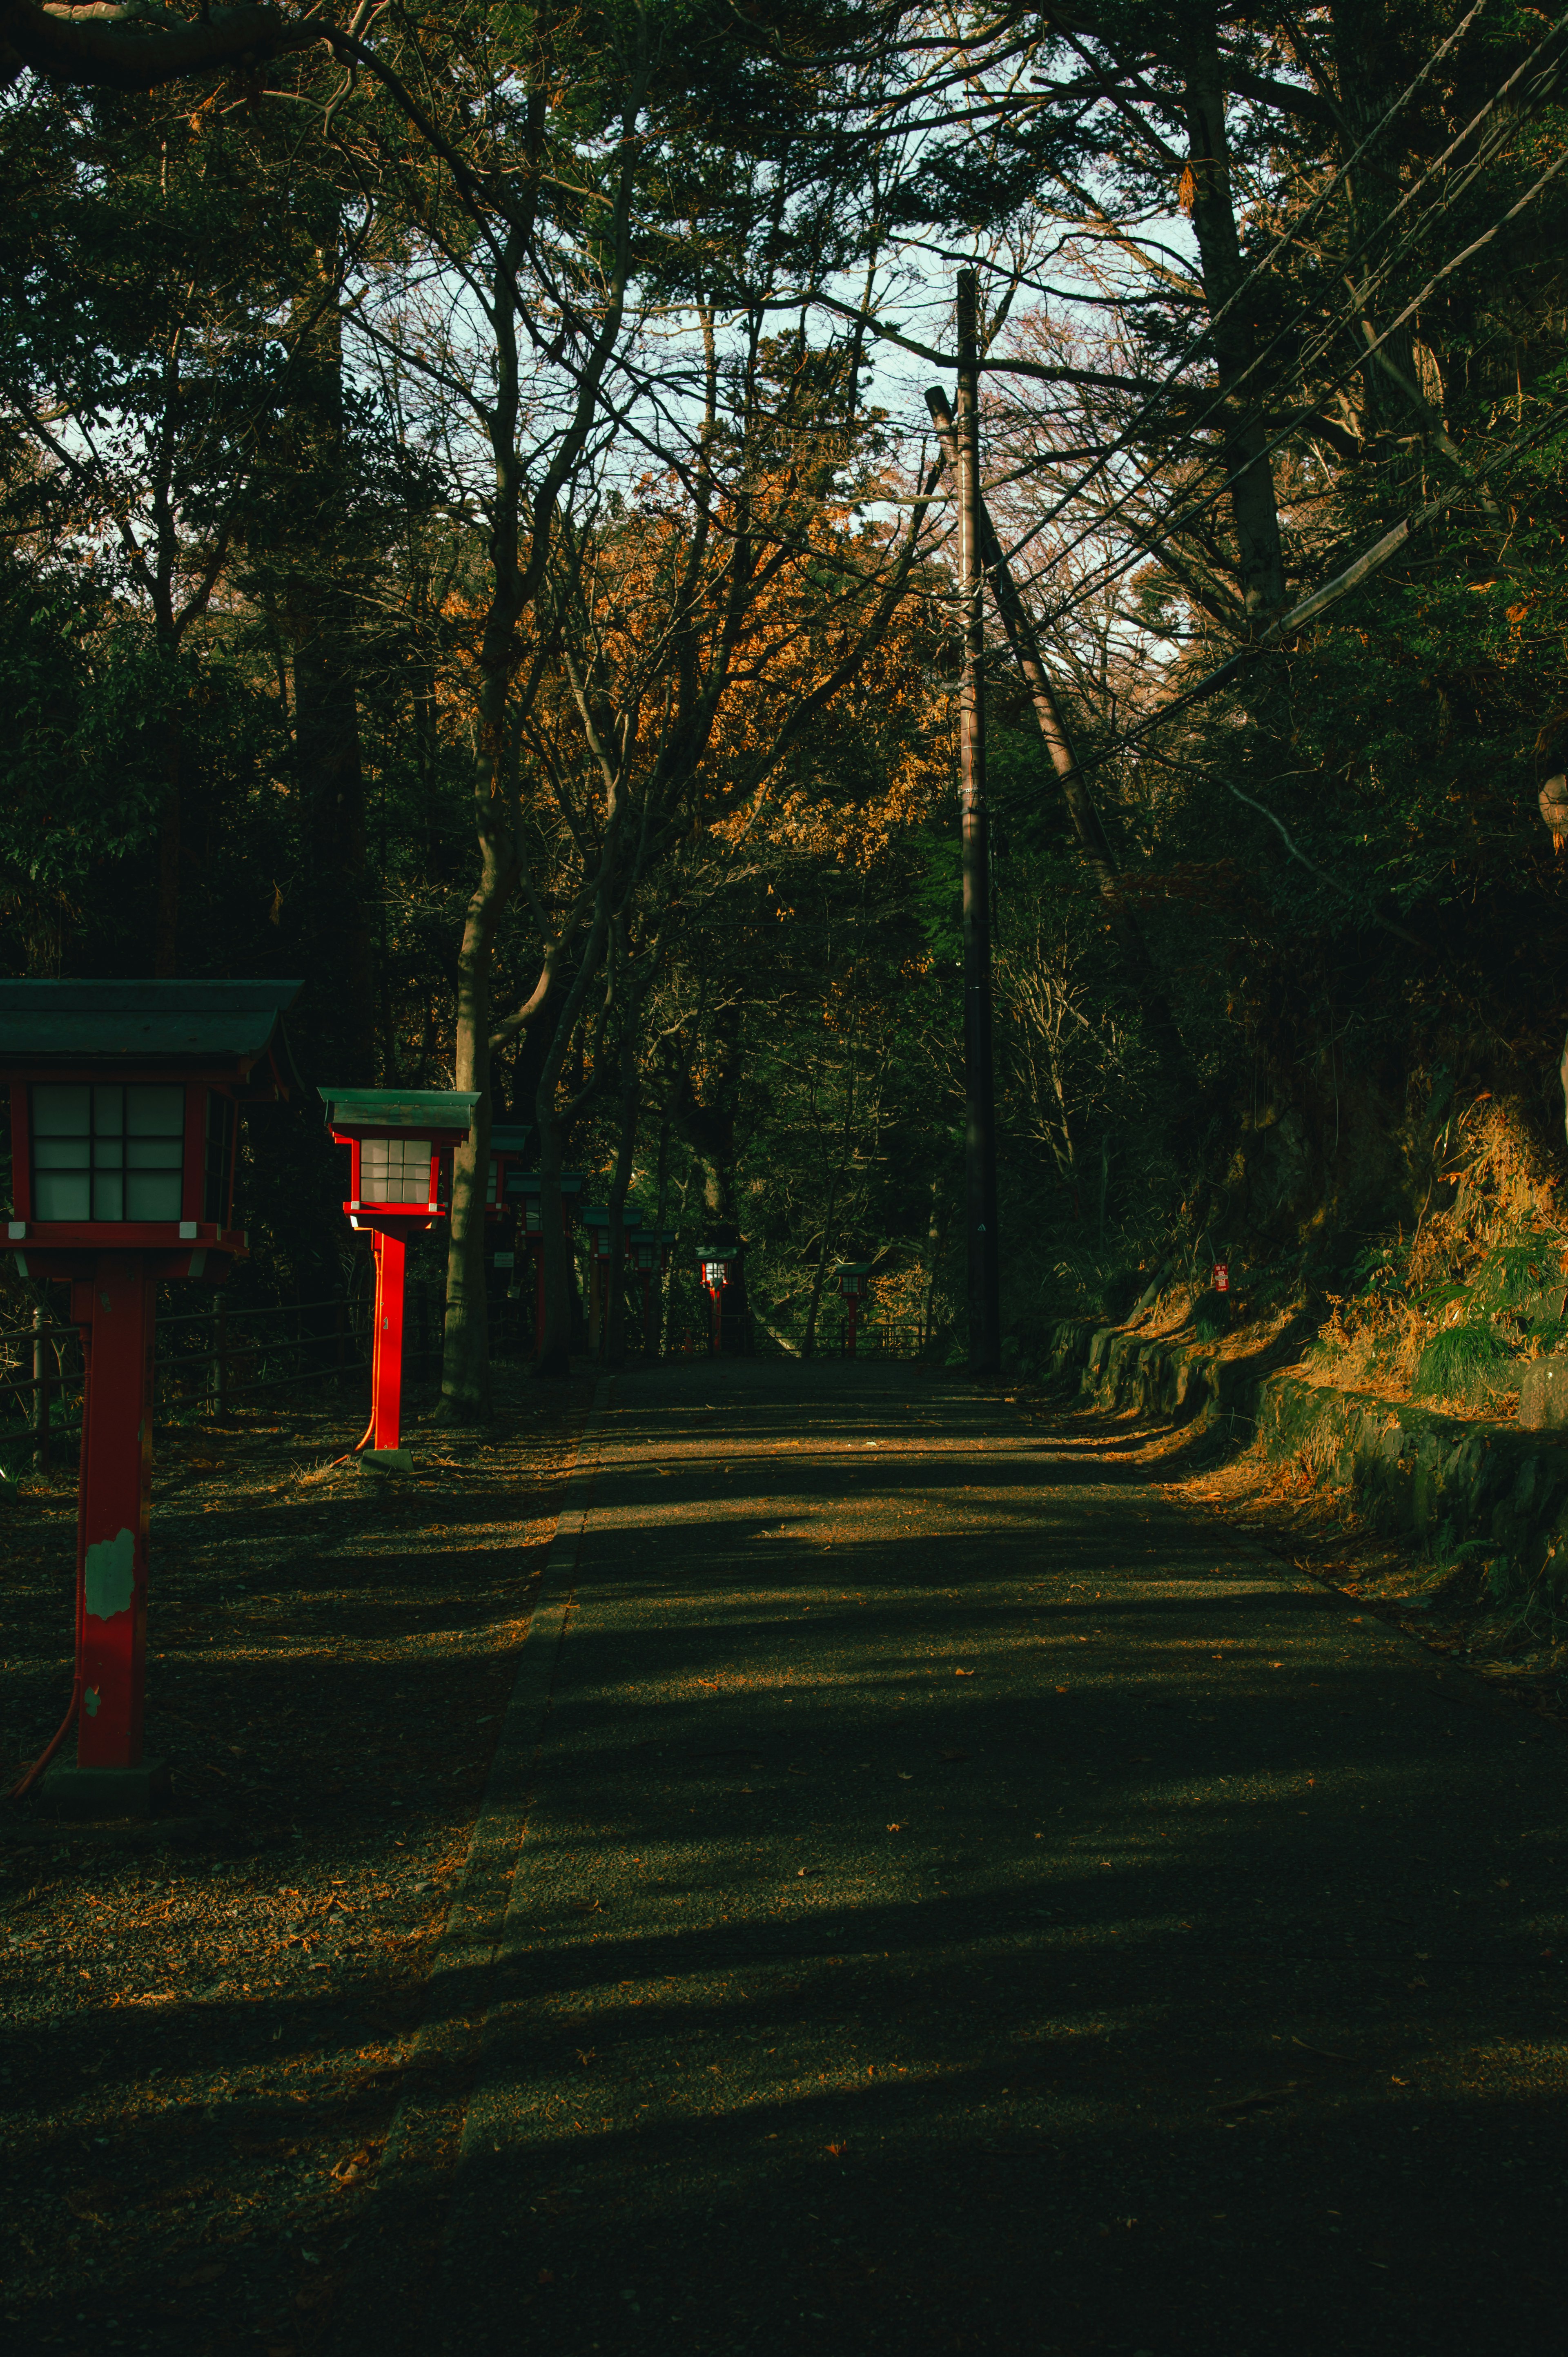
[108, 1153]
[394, 1170]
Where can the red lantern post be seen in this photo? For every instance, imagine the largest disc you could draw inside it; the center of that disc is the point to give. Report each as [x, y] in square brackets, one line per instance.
[714, 1263]
[398, 1139]
[125, 1116]
[852, 1277]
[1221, 1283]
[725, 1250]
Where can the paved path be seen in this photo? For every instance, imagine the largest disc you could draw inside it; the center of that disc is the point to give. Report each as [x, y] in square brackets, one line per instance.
[969, 1904]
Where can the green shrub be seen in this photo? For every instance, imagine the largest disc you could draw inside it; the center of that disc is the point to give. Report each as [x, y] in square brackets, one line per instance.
[1464, 1362]
[1515, 1271]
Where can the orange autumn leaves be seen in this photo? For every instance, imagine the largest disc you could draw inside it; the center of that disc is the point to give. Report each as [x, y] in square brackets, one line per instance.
[693, 647]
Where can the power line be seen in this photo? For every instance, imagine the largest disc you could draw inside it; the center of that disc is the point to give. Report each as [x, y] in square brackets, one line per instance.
[1115, 567]
[1336, 318]
[1266, 261]
[1311, 607]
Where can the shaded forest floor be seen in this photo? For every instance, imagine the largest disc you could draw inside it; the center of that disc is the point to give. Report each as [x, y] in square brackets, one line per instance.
[208, 2014]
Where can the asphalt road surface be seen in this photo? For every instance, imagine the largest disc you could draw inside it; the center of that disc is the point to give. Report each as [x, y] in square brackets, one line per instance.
[970, 1903]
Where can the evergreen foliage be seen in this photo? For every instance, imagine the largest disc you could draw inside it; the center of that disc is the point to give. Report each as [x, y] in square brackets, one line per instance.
[463, 541]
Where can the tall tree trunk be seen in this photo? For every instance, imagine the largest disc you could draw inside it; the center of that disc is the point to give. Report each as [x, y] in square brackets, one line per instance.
[819, 1275]
[166, 935]
[620, 1181]
[933, 1261]
[664, 1279]
[1371, 70]
[555, 1356]
[552, 1358]
[1260, 560]
[332, 794]
[465, 1363]
[330, 777]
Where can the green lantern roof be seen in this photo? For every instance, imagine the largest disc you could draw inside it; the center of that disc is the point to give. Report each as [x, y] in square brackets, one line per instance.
[226, 1026]
[431, 1112]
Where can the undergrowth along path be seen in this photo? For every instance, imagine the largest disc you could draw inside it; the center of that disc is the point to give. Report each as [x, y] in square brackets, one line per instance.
[969, 1901]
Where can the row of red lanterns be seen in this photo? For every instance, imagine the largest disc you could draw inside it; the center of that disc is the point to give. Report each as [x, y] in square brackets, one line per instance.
[124, 1100]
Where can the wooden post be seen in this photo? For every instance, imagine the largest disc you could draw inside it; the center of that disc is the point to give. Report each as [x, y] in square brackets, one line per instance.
[980, 1087]
[40, 1394]
[1093, 842]
[386, 1367]
[117, 1453]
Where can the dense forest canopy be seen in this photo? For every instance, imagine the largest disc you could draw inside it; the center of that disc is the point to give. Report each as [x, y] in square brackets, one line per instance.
[474, 535]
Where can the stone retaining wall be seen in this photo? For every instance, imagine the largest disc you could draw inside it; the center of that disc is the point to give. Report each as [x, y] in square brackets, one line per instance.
[1493, 1490]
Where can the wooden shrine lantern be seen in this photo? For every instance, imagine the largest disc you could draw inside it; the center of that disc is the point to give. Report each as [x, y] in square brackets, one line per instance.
[400, 1142]
[596, 1220]
[721, 1265]
[125, 1101]
[523, 1188]
[854, 1278]
[509, 1142]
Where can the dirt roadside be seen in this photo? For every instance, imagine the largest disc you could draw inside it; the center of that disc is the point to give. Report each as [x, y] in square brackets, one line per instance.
[1287, 1513]
[206, 2017]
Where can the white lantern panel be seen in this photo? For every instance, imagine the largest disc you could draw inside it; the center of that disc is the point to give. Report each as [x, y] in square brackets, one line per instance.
[394, 1170]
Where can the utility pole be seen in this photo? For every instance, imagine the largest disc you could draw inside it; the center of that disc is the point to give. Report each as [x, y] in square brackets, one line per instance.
[1085, 820]
[979, 1075]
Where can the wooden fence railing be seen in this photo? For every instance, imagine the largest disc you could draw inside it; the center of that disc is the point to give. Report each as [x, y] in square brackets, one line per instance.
[207, 1360]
